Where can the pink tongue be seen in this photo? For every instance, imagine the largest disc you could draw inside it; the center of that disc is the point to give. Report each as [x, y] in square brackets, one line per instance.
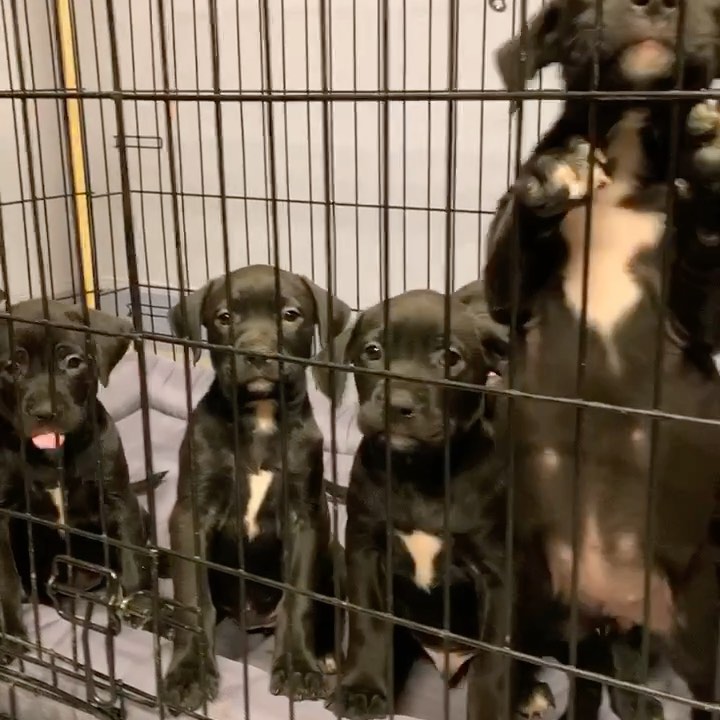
[48, 441]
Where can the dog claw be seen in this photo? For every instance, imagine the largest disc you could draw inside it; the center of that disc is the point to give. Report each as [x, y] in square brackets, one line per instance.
[703, 124]
[653, 710]
[704, 118]
[358, 703]
[186, 687]
[329, 665]
[302, 683]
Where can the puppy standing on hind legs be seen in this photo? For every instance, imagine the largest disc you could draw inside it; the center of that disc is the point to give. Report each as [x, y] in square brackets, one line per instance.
[240, 482]
[629, 238]
[412, 431]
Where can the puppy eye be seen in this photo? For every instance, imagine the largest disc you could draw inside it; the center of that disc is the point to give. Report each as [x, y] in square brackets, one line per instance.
[291, 314]
[452, 358]
[373, 351]
[223, 317]
[73, 362]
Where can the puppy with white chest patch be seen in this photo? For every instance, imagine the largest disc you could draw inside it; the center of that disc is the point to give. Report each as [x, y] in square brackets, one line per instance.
[61, 458]
[252, 460]
[408, 424]
[630, 318]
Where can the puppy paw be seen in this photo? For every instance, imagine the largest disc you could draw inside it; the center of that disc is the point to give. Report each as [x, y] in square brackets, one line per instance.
[703, 125]
[329, 664]
[302, 680]
[12, 646]
[652, 710]
[556, 181]
[188, 685]
[538, 703]
[360, 703]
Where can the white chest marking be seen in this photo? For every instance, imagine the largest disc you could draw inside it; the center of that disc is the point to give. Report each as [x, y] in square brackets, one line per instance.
[57, 498]
[455, 661]
[265, 417]
[617, 236]
[259, 483]
[423, 549]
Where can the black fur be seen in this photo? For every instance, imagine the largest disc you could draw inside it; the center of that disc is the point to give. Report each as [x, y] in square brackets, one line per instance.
[216, 465]
[49, 385]
[411, 431]
[614, 472]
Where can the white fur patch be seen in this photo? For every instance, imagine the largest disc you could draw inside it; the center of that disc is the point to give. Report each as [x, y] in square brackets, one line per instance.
[455, 661]
[57, 498]
[579, 181]
[647, 60]
[423, 548]
[550, 459]
[265, 417]
[537, 706]
[617, 236]
[611, 577]
[329, 665]
[259, 484]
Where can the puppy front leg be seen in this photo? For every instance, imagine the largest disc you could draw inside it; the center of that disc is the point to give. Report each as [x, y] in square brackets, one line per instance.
[526, 247]
[488, 678]
[130, 526]
[694, 287]
[193, 674]
[363, 691]
[11, 623]
[296, 670]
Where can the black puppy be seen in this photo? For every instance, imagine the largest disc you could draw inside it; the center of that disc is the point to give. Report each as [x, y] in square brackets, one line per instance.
[53, 427]
[231, 465]
[408, 424]
[541, 222]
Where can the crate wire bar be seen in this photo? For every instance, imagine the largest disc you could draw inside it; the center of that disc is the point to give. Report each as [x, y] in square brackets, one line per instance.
[155, 144]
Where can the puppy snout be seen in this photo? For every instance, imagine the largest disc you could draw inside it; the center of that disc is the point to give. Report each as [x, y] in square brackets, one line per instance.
[261, 364]
[402, 404]
[257, 361]
[39, 409]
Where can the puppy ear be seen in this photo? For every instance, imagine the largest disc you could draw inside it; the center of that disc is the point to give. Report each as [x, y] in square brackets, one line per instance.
[330, 327]
[340, 347]
[494, 337]
[187, 322]
[523, 56]
[109, 350]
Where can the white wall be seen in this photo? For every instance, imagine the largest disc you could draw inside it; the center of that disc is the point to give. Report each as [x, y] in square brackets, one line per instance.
[417, 141]
[33, 213]
[418, 55]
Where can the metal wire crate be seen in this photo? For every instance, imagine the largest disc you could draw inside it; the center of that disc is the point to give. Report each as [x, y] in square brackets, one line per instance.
[154, 144]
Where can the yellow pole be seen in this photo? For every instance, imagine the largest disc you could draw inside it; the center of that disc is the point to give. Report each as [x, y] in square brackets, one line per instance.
[77, 155]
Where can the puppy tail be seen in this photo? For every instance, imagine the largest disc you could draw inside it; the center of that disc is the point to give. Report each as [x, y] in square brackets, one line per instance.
[150, 483]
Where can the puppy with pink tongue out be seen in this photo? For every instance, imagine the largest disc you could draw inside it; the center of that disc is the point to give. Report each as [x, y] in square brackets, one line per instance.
[61, 456]
[48, 440]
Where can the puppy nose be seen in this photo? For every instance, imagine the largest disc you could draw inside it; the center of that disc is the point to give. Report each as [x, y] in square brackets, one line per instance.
[41, 411]
[402, 403]
[257, 360]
